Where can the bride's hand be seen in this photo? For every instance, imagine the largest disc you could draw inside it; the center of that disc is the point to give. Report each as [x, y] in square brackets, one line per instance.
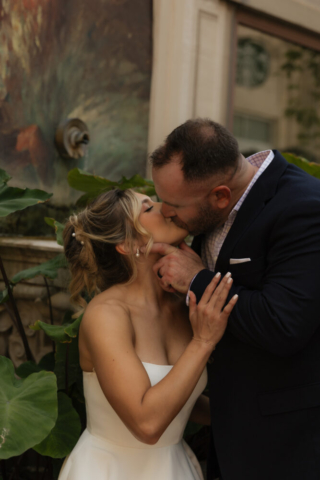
[209, 318]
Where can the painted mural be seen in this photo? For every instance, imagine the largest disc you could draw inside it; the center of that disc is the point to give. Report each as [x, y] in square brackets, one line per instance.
[73, 58]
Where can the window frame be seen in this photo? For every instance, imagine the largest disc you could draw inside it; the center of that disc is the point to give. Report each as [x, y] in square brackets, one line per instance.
[267, 24]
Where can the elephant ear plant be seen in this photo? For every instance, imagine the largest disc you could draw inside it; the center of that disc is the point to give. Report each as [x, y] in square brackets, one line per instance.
[310, 167]
[37, 408]
[93, 185]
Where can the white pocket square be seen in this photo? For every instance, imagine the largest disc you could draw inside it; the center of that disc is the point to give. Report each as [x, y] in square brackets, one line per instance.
[233, 261]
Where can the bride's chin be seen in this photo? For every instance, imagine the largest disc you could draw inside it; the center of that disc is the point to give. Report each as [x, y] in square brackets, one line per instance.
[177, 242]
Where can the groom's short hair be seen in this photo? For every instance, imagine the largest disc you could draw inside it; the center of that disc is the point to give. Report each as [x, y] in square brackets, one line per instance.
[205, 148]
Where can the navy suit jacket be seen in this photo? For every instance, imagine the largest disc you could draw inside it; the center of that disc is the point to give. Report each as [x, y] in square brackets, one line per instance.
[264, 381]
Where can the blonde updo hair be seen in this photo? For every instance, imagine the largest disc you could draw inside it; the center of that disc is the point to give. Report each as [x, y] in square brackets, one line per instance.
[90, 239]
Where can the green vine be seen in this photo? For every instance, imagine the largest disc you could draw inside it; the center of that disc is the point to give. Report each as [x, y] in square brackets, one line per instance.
[302, 72]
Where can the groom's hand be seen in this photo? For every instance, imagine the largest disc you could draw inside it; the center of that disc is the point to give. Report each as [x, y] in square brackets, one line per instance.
[177, 267]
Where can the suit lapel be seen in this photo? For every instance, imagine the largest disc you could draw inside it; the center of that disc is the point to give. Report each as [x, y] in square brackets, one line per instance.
[196, 243]
[260, 193]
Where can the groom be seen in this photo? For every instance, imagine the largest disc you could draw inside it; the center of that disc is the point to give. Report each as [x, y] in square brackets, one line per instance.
[258, 218]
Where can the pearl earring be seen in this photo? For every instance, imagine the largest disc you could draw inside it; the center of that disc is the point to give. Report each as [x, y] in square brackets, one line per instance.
[138, 253]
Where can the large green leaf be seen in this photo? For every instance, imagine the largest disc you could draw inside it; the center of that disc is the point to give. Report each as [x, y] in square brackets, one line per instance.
[59, 333]
[48, 269]
[64, 434]
[59, 227]
[68, 317]
[4, 177]
[28, 409]
[309, 167]
[47, 362]
[4, 297]
[78, 400]
[67, 368]
[55, 332]
[134, 182]
[72, 329]
[139, 184]
[27, 368]
[149, 191]
[13, 199]
[85, 199]
[86, 182]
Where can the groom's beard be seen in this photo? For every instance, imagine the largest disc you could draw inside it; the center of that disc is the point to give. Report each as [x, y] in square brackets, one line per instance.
[205, 222]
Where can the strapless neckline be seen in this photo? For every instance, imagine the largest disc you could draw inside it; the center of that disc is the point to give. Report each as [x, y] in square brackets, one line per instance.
[143, 363]
[157, 365]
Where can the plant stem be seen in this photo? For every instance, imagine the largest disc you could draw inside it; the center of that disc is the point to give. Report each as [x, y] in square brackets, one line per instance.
[49, 300]
[50, 307]
[66, 368]
[16, 313]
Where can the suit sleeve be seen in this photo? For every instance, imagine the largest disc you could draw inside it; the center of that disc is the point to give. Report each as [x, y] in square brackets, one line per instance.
[200, 282]
[283, 315]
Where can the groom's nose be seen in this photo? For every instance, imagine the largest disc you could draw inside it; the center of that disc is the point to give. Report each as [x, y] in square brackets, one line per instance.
[167, 211]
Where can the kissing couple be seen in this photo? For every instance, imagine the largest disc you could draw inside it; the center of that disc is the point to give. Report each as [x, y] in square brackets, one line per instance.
[239, 310]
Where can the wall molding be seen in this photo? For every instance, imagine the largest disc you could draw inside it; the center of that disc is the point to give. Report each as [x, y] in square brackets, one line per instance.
[191, 46]
[297, 12]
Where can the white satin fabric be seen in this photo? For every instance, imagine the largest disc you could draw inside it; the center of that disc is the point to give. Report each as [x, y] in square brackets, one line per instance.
[107, 450]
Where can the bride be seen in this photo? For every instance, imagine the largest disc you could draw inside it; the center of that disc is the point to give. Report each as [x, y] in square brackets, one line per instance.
[143, 362]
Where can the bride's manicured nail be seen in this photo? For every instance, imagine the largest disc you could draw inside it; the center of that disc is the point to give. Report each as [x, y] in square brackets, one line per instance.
[228, 275]
[217, 274]
[229, 280]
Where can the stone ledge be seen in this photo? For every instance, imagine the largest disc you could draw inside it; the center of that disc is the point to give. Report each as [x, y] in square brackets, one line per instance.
[31, 243]
[20, 253]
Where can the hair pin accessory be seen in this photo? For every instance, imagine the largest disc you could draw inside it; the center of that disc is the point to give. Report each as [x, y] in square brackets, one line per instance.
[73, 234]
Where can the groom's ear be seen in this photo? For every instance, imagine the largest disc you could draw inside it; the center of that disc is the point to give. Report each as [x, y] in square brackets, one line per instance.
[220, 196]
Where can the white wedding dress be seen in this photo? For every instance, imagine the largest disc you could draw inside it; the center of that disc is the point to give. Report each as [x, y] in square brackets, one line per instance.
[107, 450]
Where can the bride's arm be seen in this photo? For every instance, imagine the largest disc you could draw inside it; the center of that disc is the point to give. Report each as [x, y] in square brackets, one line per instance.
[147, 411]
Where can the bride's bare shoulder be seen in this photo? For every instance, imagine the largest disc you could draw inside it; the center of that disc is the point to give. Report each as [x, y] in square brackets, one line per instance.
[107, 306]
